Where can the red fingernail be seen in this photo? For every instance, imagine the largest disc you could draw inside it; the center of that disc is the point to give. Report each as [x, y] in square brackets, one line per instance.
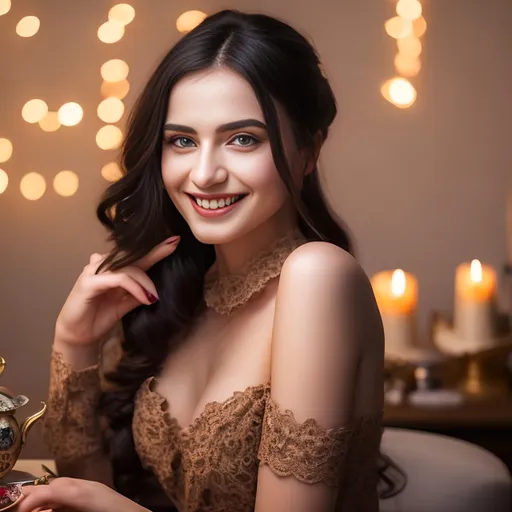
[172, 240]
[151, 297]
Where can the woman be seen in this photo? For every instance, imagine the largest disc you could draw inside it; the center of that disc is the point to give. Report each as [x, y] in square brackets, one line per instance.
[251, 369]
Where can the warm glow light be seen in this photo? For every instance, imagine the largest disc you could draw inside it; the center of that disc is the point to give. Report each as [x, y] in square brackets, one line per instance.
[33, 186]
[5, 150]
[409, 9]
[65, 183]
[5, 7]
[398, 27]
[409, 46]
[122, 13]
[476, 271]
[398, 283]
[4, 181]
[114, 70]
[70, 114]
[117, 90]
[400, 92]
[419, 26]
[50, 122]
[189, 20]
[407, 66]
[111, 171]
[28, 26]
[111, 110]
[111, 32]
[34, 110]
[109, 137]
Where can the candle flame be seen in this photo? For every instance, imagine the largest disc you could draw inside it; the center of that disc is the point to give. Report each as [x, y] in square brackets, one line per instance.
[398, 283]
[476, 271]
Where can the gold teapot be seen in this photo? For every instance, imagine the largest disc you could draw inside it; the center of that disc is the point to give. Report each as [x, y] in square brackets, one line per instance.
[12, 435]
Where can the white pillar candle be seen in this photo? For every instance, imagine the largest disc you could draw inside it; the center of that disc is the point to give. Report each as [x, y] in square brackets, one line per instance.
[396, 293]
[475, 312]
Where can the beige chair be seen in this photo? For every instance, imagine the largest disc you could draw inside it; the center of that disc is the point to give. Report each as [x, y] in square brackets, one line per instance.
[446, 474]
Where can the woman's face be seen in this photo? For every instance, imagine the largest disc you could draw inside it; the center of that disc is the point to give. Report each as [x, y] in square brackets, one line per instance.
[216, 146]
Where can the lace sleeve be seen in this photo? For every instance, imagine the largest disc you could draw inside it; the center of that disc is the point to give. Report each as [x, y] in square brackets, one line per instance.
[71, 427]
[305, 450]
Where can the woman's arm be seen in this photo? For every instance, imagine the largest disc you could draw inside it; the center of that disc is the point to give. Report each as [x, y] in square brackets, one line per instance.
[325, 318]
[71, 426]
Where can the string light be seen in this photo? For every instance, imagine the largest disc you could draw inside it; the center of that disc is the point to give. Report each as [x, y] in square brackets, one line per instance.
[407, 27]
[189, 20]
[5, 7]
[5, 150]
[114, 89]
[66, 183]
[33, 186]
[70, 114]
[28, 26]
[4, 181]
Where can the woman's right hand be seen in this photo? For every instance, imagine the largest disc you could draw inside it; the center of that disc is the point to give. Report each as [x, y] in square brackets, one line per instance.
[98, 301]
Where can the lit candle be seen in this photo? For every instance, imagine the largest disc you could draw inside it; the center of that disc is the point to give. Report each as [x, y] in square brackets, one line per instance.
[396, 293]
[475, 302]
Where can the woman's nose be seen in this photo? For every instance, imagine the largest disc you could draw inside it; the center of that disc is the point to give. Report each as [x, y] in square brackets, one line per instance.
[208, 171]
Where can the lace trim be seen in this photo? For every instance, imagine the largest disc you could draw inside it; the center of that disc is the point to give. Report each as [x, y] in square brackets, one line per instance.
[70, 426]
[227, 293]
[309, 452]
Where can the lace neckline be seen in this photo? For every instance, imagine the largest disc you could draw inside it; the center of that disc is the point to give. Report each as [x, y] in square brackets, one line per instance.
[227, 293]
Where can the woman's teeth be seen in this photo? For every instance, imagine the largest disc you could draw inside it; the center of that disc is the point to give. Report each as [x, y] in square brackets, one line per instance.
[216, 203]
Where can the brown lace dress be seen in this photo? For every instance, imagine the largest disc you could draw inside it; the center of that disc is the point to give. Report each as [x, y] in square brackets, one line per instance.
[212, 465]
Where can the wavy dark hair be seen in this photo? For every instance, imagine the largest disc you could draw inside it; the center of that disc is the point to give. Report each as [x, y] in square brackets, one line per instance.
[281, 66]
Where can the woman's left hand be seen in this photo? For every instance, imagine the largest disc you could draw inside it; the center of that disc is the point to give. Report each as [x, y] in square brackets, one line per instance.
[77, 495]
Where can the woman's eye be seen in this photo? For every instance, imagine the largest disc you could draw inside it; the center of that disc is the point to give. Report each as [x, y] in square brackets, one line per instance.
[181, 142]
[245, 140]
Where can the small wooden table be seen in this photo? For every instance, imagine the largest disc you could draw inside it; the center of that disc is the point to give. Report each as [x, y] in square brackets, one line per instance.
[487, 423]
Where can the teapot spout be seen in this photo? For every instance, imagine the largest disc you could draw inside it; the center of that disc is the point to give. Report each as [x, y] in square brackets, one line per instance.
[27, 424]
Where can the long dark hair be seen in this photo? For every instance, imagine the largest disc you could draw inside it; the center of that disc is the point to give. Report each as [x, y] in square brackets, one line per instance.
[281, 66]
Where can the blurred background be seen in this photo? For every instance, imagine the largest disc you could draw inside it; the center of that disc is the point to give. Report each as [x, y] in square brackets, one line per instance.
[418, 162]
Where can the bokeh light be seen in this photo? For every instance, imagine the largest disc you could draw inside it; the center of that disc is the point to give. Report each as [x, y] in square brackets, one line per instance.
[117, 90]
[111, 32]
[66, 183]
[400, 92]
[109, 137]
[419, 26]
[122, 13]
[111, 110]
[409, 9]
[407, 66]
[34, 110]
[5, 7]
[114, 70]
[33, 186]
[409, 46]
[4, 181]
[111, 171]
[398, 27]
[28, 26]
[189, 20]
[70, 114]
[5, 150]
[50, 122]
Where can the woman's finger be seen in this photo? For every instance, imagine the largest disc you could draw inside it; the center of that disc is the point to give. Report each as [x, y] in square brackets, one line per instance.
[35, 497]
[101, 283]
[158, 253]
[141, 277]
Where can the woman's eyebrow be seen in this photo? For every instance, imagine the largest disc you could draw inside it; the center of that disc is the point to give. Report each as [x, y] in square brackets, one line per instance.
[233, 125]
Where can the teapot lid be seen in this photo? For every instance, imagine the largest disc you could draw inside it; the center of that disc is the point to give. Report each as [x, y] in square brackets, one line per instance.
[11, 403]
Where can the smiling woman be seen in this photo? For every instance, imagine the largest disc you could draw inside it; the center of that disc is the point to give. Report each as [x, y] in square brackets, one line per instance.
[247, 370]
